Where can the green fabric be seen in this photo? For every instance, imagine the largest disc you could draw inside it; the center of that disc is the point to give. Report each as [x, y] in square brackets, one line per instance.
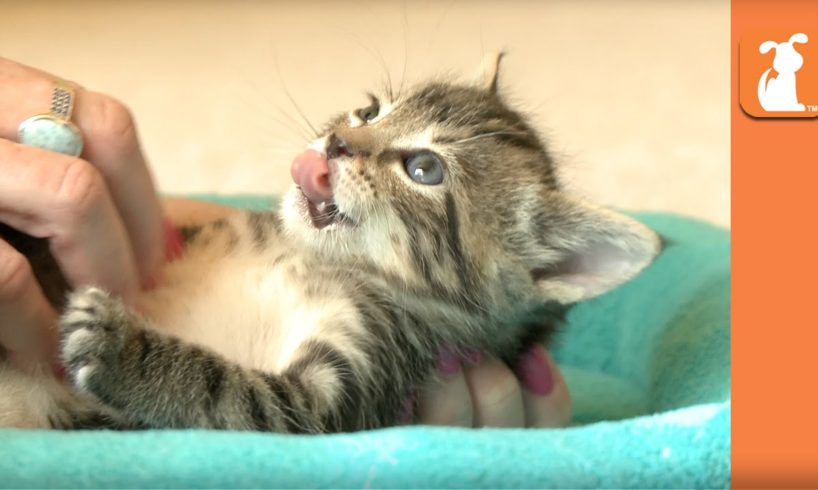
[648, 366]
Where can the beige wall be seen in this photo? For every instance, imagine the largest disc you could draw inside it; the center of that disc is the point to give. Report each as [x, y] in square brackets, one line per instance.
[634, 96]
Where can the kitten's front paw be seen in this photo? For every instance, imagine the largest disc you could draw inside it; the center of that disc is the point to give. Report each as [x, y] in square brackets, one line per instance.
[92, 330]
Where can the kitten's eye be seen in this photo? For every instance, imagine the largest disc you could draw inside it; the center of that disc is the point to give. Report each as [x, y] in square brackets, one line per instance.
[370, 112]
[424, 168]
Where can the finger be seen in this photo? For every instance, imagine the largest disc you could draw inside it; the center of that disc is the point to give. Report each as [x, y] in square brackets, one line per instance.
[64, 199]
[27, 321]
[14, 69]
[546, 398]
[111, 145]
[446, 400]
[495, 394]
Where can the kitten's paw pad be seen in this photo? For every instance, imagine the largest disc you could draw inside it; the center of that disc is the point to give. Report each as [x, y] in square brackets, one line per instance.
[92, 331]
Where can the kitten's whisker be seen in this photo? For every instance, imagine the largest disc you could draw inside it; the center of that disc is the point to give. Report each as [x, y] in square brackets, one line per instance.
[289, 127]
[390, 92]
[485, 135]
[386, 70]
[294, 125]
[436, 30]
[405, 50]
[301, 113]
[292, 100]
[376, 54]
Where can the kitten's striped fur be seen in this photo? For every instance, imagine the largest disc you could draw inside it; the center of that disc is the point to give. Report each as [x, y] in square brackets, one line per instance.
[268, 323]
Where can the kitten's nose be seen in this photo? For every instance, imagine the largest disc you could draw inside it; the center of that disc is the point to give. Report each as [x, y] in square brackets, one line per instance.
[338, 147]
[310, 171]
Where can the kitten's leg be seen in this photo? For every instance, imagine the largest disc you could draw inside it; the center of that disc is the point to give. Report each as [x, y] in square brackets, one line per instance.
[78, 414]
[163, 382]
[35, 398]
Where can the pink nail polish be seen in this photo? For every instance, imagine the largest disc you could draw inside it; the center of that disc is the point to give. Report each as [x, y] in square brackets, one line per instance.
[447, 362]
[535, 373]
[151, 282]
[174, 243]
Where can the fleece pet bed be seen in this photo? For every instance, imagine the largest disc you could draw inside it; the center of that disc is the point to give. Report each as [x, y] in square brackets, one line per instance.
[648, 366]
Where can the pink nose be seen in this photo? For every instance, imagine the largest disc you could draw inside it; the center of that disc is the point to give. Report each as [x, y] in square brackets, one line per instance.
[310, 171]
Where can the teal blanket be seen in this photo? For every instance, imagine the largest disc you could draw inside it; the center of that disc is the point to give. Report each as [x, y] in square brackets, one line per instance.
[648, 366]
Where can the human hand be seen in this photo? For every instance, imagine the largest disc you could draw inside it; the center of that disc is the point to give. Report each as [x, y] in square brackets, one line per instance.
[98, 211]
[482, 391]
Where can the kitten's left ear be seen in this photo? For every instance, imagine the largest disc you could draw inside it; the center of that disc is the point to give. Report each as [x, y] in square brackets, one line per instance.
[582, 250]
[490, 70]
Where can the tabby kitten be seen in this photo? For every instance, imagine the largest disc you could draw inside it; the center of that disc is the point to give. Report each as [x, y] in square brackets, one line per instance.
[427, 219]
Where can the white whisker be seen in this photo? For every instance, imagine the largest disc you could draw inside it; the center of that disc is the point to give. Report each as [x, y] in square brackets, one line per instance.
[485, 135]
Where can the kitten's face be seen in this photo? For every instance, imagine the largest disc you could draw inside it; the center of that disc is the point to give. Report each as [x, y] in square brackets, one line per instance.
[400, 167]
[445, 184]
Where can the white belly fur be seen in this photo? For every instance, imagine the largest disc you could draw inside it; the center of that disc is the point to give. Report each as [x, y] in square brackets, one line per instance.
[241, 306]
[238, 304]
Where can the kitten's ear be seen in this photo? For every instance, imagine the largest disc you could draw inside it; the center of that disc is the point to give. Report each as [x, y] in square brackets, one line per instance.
[490, 71]
[582, 250]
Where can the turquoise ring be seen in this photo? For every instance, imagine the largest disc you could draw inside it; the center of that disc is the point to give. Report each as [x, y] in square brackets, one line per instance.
[54, 131]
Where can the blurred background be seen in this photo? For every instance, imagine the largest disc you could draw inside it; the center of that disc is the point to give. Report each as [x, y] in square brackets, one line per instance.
[633, 96]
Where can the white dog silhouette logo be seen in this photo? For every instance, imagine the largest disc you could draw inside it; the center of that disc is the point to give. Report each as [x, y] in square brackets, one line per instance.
[779, 93]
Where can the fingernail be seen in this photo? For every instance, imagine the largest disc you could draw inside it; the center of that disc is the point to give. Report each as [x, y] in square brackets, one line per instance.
[174, 242]
[472, 357]
[447, 362]
[534, 372]
[151, 282]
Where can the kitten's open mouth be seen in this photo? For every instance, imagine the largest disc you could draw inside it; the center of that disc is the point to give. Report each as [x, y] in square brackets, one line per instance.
[311, 173]
[325, 214]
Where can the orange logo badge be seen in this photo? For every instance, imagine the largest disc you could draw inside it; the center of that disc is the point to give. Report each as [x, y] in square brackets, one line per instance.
[778, 73]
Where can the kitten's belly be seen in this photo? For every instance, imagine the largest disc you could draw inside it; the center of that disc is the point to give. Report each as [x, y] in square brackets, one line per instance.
[242, 307]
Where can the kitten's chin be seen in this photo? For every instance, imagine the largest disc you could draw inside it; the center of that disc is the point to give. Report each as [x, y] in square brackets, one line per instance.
[321, 217]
